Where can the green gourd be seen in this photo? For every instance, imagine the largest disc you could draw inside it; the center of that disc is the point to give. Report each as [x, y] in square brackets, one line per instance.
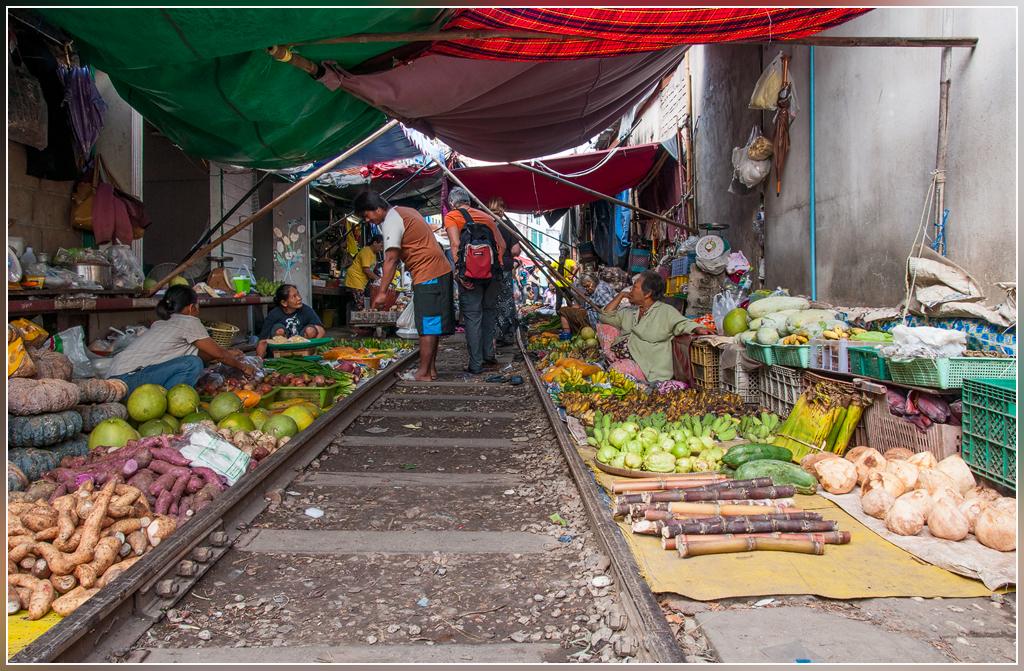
[42, 430]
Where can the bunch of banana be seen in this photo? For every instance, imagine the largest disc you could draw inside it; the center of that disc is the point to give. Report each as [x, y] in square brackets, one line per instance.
[267, 287]
[576, 403]
[573, 376]
[759, 429]
[836, 333]
[599, 377]
[795, 339]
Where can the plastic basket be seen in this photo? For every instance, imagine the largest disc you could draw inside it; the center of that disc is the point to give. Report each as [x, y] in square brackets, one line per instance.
[795, 356]
[223, 334]
[779, 388]
[323, 396]
[864, 361]
[762, 353]
[742, 382]
[830, 355]
[681, 266]
[886, 431]
[990, 429]
[951, 372]
[639, 260]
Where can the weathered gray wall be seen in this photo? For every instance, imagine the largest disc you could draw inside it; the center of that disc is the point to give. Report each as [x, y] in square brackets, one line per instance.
[39, 208]
[876, 114]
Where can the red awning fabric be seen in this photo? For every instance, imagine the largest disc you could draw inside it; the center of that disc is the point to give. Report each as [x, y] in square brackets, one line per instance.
[619, 169]
[614, 32]
[527, 263]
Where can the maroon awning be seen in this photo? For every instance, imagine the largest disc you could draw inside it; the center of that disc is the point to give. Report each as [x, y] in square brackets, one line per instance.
[613, 171]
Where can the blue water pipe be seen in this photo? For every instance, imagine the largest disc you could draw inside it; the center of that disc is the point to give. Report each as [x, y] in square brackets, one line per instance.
[814, 264]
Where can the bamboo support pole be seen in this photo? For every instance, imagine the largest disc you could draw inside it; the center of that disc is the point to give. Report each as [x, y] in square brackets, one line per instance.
[269, 207]
[749, 545]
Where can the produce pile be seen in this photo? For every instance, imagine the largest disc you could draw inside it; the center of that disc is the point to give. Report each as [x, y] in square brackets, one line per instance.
[654, 444]
[267, 287]
[675, 404]
[910, 491]
[923, 409]
[825, 413]
[297, 372]
[786, 320]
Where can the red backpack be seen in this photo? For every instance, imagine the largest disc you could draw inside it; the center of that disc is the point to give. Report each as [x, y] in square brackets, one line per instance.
[477, 250]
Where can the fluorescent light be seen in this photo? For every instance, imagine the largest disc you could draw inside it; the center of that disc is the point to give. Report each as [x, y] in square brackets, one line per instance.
[312, 197]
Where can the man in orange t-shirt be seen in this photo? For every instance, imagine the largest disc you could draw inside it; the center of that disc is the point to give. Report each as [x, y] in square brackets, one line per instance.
[408, 238]
[478, 298]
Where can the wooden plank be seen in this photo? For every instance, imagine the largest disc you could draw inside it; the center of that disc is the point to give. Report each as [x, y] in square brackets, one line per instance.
[412, 441]
[361, 479]
[442, 383]
[447, 397]
[451, 653]
[440, 414]
[321, 541]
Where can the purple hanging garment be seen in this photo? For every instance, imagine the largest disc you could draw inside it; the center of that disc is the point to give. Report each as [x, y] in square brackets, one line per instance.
[85, 108]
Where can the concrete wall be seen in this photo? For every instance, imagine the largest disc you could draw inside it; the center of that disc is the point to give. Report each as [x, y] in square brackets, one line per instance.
[876, 114]
[39, 208]
[227, 186]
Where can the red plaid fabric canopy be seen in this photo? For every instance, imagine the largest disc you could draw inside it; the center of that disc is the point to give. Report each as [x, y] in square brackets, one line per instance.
[614, 32]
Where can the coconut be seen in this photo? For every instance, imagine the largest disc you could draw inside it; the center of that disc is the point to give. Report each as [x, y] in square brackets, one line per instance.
[946, 521]
[1005, 505]
[920, 498]
[886, 481]
[808, 462]
[837, 476]
[957, 469]
[852, 454]
[923, 460]
[877, 502]
[983, 493]
[996, 529]
[971, 508]
[870, 461]
[898, 453]
[946, 492]
[932, 480]
[904, 518]
[904, 470]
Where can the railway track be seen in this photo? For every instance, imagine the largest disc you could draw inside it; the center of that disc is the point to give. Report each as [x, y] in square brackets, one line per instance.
[450, 521]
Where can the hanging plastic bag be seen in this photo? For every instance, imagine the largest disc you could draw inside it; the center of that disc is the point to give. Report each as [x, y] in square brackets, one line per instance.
[766, 90]
[127, 271]
[71, 343]
[26, 107]
[406, 323]
[748, 171]
[722, 304]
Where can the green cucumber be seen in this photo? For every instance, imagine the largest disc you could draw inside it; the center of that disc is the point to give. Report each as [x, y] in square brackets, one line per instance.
[781, 473]
[741, 454]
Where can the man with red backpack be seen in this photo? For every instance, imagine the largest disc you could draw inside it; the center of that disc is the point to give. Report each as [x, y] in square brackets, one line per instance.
[477, 248]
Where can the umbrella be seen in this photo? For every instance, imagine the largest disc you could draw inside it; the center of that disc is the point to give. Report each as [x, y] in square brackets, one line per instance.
[780, 142]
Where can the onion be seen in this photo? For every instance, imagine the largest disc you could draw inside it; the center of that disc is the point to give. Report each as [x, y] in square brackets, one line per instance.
[904, 518]
[923, 460]
[971, 508]
[904, 470]
[837, 476]
[877, 502]
[898, 453]
[870, 461]
[957, 469]
[932, 480]
[946, 521]
[997, 530]
[886, 481]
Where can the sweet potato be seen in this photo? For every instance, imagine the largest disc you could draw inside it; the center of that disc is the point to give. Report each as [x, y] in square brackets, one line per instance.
[209, 492]
[260, 453]
[137, 539]
[47, 534]
[41, 490]
[170, 455]
[159, 529]
[126, 495]
[164, 482]
[103, 558]
[185, 504]
[209, 475]
[17, 541]
[63, 583]
[142, 479]
[40, 569]
[13, 601]
[41, 597]
[27, 563]
[61, 563]
[118, 512]
[114, 571]
[165, 468]
[71, 544]
[195, 483]
[172, 510]
[142, 508]
[72, 600]
[61, 490]
[17, 509]
[123, 526]
[12, 567]
[163, 502]
[16, 528]
[39, 518]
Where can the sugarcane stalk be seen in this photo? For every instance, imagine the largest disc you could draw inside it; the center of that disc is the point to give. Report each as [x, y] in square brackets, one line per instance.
[729, 509]
[749, 545]
[720, 484]
[784, 491]
[671, 516]
[853, 415]
[744, 527]
[829, 537]
[648, 527]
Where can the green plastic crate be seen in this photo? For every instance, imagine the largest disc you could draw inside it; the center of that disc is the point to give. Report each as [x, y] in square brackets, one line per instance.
[865, 361]
[758, 352]
[990, 429]
[951, 372]
[794, 356]
[324, 396]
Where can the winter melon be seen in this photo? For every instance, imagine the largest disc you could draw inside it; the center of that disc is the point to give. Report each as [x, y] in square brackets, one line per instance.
[766, 335]
[766, 306]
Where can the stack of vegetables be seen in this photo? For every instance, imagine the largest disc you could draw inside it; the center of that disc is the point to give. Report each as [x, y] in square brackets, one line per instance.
[912, 490]
[823, 418]
[297, 372]
[675, 404]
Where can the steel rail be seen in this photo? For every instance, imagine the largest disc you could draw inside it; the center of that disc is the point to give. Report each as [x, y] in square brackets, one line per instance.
[112, 620]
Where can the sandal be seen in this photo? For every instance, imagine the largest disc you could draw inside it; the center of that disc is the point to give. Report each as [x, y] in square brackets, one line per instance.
[497, 378]
[517, 380]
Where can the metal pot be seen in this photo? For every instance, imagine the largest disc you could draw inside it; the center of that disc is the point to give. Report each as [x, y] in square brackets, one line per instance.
[93, 273]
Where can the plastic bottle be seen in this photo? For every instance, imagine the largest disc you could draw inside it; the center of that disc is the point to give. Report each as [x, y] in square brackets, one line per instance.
[28, 258]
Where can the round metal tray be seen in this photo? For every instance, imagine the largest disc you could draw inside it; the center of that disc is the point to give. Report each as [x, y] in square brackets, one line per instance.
[313, 342]
[629, 473]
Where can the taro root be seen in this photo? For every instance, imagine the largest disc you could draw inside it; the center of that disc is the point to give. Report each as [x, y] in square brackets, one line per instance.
[983, 493]
[886, 481]
[904, 470]
[971, 508]
[958, 471]
[932, 480]
[923, 460]
[809, 460]
[852, 454]
[869, 461]
[1005, 505]
[997, 530]
[837, 476]
[946, 521]
[921, 499]
[877, 502]
[904, 518]
[898, 453]
[947, 492]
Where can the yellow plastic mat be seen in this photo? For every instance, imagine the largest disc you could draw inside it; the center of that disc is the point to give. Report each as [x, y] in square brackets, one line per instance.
[21, 631]
[869, 566]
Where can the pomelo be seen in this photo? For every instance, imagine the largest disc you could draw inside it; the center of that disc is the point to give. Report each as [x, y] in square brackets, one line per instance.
[148, 284]
[182, 399]
[587, 333]
[178, 281]
[280, 426]
[172, 422]
[236, 421]
[146, 403]
[592, 342]
[313, 408]
[224, 404]
[112, 432]
[155, 427]
[259, 416]
[302, 416]
[735, 322]
[195, 417]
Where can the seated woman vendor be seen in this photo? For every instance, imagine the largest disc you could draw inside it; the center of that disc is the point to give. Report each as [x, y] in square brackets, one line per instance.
[175, 348]
[641, 340]
[575, 319]
[290, 317]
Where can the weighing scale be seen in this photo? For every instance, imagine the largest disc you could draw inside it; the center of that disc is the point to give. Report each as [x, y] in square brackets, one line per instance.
[711, 245]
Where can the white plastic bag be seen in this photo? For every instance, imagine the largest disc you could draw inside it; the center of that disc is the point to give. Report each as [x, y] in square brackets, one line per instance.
[721, 305]
[766, 90]
[71, 343]
[945, 342]
[127, 271]
[203, 447]
[748, 171]
[406, 324]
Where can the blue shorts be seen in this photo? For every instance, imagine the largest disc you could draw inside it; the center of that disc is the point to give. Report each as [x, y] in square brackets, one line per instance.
[434, 306]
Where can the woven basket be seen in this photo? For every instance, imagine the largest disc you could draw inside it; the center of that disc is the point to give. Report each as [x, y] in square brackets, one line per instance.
[392, 296]
[223, 334]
